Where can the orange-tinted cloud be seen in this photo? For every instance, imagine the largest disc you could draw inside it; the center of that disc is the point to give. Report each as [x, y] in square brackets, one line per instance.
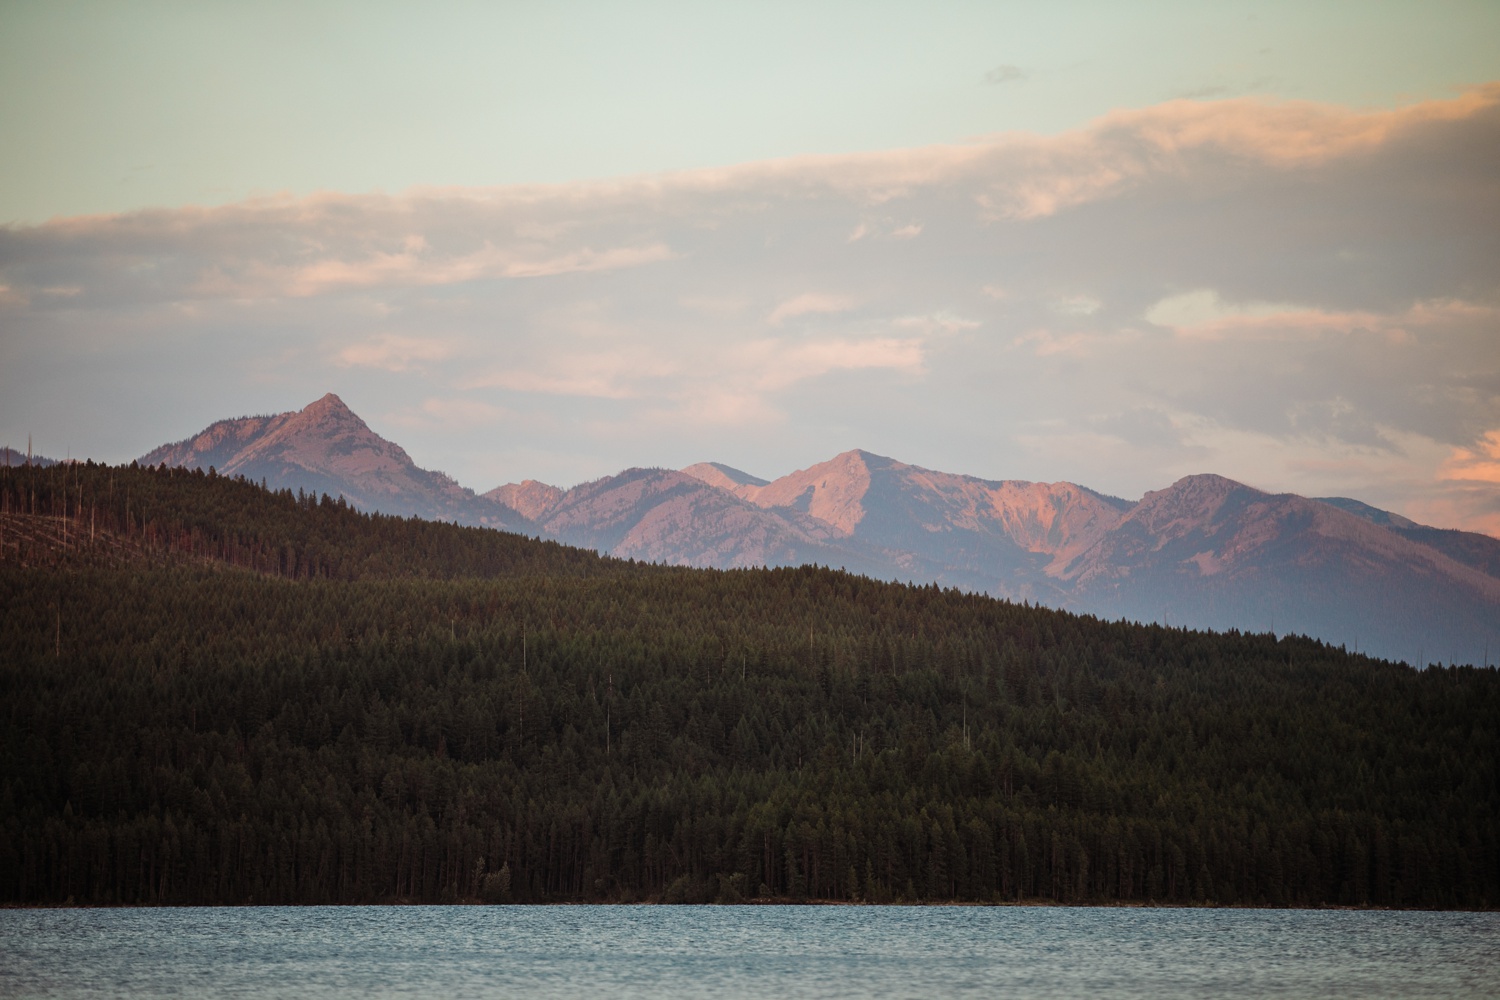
[1477, 464]
[1307, 291]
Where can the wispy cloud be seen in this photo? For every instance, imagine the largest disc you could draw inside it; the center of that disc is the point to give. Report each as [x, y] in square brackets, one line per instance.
[394, 353]
[1005, 73]
[941, 321]
[447, 413]
[1479, 463]
[416, 267]
[520, 380]
[810, 303]
[777, 364]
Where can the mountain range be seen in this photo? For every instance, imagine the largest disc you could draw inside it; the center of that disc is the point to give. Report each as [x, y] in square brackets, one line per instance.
[1205, 552]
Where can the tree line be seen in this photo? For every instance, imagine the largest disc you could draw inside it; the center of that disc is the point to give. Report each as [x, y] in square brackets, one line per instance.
[231, 695]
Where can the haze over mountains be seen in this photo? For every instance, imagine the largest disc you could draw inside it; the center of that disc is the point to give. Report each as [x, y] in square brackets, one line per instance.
[1205, 552]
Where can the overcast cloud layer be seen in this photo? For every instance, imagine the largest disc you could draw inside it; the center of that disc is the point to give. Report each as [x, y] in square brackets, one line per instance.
[1301, 297]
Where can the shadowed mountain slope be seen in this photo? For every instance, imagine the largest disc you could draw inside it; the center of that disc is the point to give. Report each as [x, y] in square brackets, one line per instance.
[1479, 551]
[16, 459]
[1210, 552]
[1374, 515]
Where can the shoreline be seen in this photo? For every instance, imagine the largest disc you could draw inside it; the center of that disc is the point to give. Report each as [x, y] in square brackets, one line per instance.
[763, 902]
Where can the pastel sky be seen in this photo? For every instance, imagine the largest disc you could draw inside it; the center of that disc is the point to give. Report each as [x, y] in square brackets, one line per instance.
[1112, 244]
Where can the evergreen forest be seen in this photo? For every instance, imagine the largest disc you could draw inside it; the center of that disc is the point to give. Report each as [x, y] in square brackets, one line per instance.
[212, 693]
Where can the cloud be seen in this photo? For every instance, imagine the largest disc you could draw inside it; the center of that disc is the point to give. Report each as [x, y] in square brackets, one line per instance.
[884, 229]
[941, 321]
[777, 364]
[415, 267]
[1144, 427]
[810, 303]
[1203, 314]
[449, 413]
[1004, 74]
[727, 305]
[1203, 92]
[520, 380]
[1204, 308]
[1479, 463]
[1077, 305]
[394, 353]
[1301, 296]
[1076, 344]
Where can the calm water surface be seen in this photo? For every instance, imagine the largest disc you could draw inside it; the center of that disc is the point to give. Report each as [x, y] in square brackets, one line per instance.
[751, 951]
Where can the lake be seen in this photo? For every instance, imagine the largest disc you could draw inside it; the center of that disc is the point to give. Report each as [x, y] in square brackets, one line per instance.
[781, 952]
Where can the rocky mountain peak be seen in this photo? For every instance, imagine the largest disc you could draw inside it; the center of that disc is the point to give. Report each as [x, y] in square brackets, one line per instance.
[833, 491]
[325, 447]
[531, 498]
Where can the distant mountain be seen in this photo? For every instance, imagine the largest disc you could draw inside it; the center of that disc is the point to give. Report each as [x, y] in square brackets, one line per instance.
[665, 516]
[741, 484]
[12, 458]
[1210, 552]
[1479, 551]
[1004, 537]
[1206, 552]
[1374, 515]
[531, 498]
[326, 448]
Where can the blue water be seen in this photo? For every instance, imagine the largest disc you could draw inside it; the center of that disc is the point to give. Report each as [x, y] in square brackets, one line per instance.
[750, 951]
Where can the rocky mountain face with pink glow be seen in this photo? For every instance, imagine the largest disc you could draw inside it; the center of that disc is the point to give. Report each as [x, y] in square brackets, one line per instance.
[1205, 552]
[326, 448]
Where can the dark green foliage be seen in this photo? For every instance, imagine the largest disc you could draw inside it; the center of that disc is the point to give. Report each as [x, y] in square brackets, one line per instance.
[443, 713]
[101, 514]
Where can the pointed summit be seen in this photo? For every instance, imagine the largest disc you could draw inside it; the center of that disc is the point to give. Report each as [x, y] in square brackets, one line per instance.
[327, 448]
[328, 403]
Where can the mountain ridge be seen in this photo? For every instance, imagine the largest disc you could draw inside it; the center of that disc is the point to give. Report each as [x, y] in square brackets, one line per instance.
[1205, 551]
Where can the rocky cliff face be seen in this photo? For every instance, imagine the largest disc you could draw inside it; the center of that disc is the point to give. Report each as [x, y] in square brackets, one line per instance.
[665, 516]
[531, 498]
[1004, 536]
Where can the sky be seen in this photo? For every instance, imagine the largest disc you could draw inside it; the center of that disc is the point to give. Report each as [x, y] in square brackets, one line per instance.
[1113, 244]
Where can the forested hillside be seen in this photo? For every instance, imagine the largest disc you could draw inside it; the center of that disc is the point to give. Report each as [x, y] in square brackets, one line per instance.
[215, 694]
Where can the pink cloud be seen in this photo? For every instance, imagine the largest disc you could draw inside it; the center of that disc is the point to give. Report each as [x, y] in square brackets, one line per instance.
[415, 267]
[777, 364]
[810, 303]
[1202, 315]
[394, 353]
[1479, 464]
